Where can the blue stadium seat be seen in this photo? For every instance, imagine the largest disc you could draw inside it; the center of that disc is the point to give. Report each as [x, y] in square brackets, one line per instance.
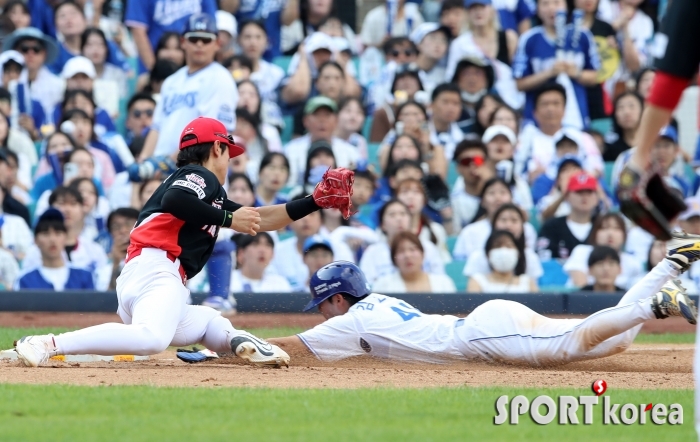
[373, 155]
[454, 271]
[608, 173]
[534, 219]
[288, 131]
[602, 125]
[451, 241]
[367, 127]
[554, 275]
[283, 62]
[452, 174]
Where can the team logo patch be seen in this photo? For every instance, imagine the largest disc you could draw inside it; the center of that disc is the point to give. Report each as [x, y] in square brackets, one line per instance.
[192, 186]
[365, 345]
[198, 180]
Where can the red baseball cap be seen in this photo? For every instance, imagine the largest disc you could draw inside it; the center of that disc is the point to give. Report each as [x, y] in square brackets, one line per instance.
[207, 130]
[582, 181]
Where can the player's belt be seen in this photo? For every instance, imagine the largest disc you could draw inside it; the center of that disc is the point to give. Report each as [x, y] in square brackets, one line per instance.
[134, 253]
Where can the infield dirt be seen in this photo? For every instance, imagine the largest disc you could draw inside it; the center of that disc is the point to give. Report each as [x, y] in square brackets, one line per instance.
[640, 367]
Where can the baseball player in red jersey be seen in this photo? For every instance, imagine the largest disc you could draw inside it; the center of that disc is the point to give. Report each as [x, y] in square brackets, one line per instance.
[643, 195]
[171, 241]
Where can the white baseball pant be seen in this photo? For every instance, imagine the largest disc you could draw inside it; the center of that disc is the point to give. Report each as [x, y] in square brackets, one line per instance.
[507, 331]
[153, 306]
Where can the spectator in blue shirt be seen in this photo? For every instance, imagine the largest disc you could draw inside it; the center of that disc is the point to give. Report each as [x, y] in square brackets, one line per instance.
[573, 62]
[54, 273]
[515, 15]
[17, 12]
[31, 116]
[149, 19]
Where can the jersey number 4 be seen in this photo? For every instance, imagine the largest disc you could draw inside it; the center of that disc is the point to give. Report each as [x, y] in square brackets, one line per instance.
[407, 314]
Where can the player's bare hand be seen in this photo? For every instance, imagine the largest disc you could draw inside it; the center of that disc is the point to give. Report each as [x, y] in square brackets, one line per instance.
[246, 220]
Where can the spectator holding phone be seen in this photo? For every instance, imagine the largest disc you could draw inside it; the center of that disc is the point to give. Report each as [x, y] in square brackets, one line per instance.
[403, 87]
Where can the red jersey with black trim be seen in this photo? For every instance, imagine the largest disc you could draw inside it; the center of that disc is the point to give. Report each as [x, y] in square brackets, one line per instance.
[192, 244]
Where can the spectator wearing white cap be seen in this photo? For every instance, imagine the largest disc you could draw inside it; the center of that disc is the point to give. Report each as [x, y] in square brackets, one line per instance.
[79, 74]
[317, 49]
[253, 273]
[501, 143]
[228, 32]
[38, 50]
[26, 113]
[432, 41]
[396, 18]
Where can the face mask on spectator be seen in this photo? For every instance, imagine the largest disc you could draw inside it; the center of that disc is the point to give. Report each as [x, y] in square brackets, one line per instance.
[473, 98]
[503, 259]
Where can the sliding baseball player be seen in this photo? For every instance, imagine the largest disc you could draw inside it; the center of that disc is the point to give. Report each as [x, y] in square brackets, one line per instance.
[360, 322]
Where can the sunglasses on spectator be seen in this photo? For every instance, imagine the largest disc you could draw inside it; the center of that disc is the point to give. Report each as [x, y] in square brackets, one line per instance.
[406, 52]
[25, 49]
[468, 161]
[194, 39]
[138, 113]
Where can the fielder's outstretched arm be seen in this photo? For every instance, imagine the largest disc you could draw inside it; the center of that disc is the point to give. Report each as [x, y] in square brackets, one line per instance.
[292, 345]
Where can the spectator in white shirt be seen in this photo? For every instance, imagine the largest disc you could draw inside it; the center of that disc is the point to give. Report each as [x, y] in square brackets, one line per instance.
[318, 252]
[351, 121]
[38, 50]
[475, 77]
[608, 230]
[93, 45]
[506, 258]
[381, 23]
[494, 194]
[431, 39]
[267, 77]
[537, 148]
[407, 256]
[9, 268]
[500, 144]
[251, 100]
[446, 107]
[413, 195]
[511, 218]
[252, 273]
[320, 119]
[16, 236]
[394, 218]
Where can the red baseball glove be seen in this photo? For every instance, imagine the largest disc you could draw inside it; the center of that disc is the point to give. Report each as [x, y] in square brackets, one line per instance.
[648, 202]
[335, 189]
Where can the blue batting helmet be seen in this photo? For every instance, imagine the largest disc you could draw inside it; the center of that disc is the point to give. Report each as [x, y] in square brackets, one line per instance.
[337, 277]
[201, 23]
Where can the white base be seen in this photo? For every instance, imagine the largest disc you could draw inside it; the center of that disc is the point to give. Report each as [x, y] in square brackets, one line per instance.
[12, 355]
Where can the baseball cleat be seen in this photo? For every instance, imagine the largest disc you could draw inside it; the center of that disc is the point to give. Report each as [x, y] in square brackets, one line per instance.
[35, 350]
[258, 351]
[672, 300]
[227, 306]
[683, 250]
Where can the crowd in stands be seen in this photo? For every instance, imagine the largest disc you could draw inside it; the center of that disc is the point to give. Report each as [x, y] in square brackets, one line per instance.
[486, 137]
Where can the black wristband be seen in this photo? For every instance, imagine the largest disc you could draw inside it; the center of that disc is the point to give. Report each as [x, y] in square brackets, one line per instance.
[302, 207]
[228, 219]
